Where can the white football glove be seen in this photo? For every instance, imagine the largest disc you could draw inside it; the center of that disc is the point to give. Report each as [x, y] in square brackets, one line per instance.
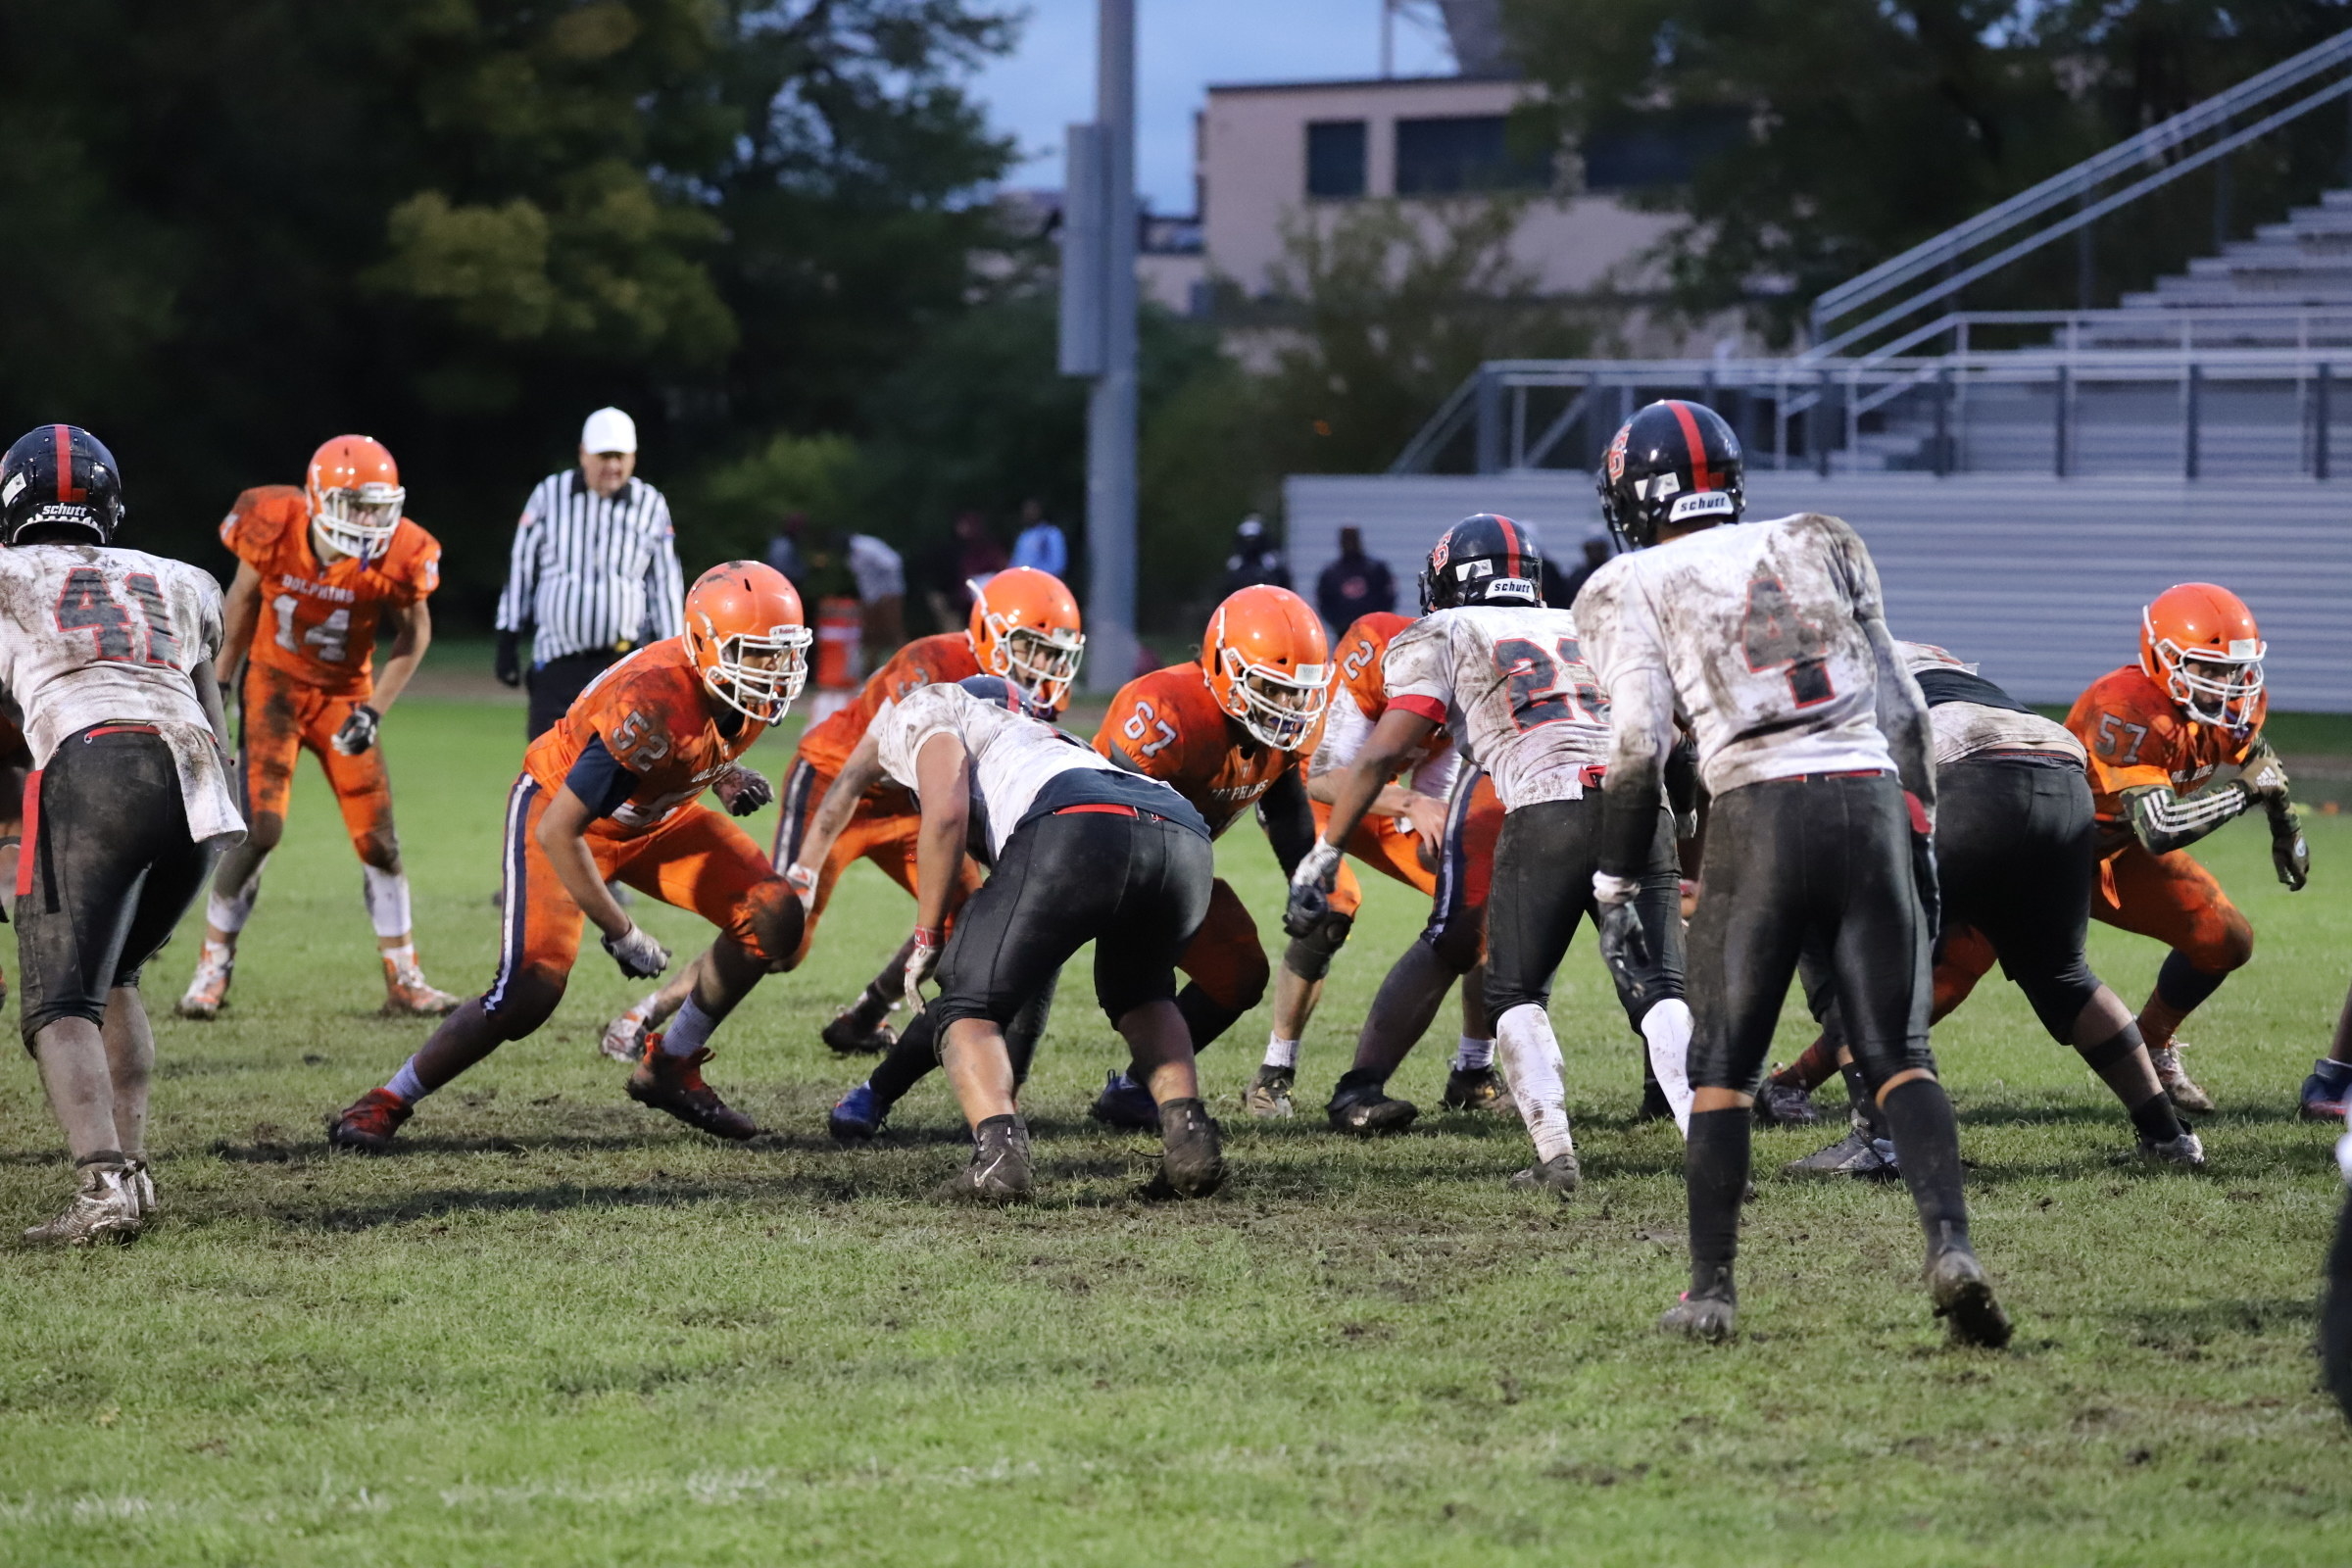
[919, 965]
[639, 955]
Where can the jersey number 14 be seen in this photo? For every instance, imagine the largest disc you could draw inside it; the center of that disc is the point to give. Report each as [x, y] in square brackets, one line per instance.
[331, 637]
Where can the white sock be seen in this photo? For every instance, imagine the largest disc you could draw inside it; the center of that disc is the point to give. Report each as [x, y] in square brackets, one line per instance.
[688, 1030]
[388, 893]
[1667, 1028]
[402, 959]
[228, 912]
[1473, 1055]
[1531, 1058]
[1281, 1053]
[406, 1086]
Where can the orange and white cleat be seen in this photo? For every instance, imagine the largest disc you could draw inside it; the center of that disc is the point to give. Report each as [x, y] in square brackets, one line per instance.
[365, 1126]
[407, 994]
[624, 1039]
[208, 993]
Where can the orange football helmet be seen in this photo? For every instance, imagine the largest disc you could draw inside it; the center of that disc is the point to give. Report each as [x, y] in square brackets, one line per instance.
[748, 639]
[1025, 629]
[355, 494]
[1269, 664]
[2200, 644]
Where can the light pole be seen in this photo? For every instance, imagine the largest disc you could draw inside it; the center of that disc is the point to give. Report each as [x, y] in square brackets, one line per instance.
[1098, 340]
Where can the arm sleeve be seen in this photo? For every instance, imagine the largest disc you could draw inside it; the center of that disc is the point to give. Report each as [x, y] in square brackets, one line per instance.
[2163, 822]
[600, 781]
[1621, 643]
[1289, 819]
[517, 600]
[664, 582]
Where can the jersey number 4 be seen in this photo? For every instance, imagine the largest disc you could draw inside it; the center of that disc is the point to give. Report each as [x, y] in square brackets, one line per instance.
[88, 604]
[1773, 636]
[1539, 696]
[332, 636]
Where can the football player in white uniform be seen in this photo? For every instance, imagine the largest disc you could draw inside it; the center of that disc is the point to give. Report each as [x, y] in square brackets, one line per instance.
[1491, 663]
[1082, 852]
[1816, 748]
[108, 654]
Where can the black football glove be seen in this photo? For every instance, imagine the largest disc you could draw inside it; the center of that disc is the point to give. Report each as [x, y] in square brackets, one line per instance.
[508, 660]
[1625, 946]
[357, 733]
[742, 791]
[2290, 855]
[1310, 890]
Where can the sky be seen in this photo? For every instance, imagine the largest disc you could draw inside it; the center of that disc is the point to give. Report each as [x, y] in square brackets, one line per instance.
[1181, 47]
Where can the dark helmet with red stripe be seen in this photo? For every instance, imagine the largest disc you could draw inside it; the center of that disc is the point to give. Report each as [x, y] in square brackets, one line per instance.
[59, 484]
[998, 691]
[1483, 560]
[1673, 462]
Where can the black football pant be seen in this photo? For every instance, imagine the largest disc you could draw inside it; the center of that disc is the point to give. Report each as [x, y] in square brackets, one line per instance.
[557, 684]
[1544, 859]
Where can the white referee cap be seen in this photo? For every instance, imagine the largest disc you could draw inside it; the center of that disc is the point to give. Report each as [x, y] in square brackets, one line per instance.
[609, 431]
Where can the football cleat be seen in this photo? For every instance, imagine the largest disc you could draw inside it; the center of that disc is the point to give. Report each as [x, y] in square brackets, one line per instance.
[1654, 1107]
[142, 1189]
[1784, 1105]
[1126, 1105]
[849, 1036]
[1964, 1299]
[105, 1209]
[1268, 1097]
[2186, 1096]
[999, 1170]
[1708, 1315]
[1477, 1089]
[856, 1116]
[1192, 1163]
[674, 1084]
[2184, 1152]
[2326, 1093]
[407, 994]
[1857, 1155]
[624, 1039]
[1560, 1175]
[365, 1126]
[1367, 1110]
[208, 993]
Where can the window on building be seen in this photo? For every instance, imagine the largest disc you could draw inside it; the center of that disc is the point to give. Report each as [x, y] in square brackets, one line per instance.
[1659, 149]
[1474, 152]
[1335, 158]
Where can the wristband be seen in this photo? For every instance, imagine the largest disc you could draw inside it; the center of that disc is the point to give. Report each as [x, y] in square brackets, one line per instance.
[1614, 890]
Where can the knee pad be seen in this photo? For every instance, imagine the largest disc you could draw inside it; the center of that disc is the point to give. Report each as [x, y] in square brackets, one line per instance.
[1310, 956]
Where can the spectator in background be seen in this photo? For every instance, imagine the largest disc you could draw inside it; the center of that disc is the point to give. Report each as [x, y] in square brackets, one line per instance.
[594, 572]
[784, 551]
[881, 577]
[1041, 544]
[1596, 552]
[971, 555]
[1255, 558]
[1354, 585]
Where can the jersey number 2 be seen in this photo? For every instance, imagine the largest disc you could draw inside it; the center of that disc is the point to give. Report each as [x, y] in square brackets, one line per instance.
[1773, 636]
[1537, 696]
[86, 604]
[332, 636]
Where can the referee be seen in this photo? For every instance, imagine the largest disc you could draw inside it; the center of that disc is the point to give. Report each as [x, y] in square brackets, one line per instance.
[594, 574]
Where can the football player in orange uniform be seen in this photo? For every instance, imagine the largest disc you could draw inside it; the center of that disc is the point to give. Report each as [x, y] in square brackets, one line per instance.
[2158, 733]
[318, 569]
[1026, 627]
[614, 792]
[1407, 838]
[1229, 733]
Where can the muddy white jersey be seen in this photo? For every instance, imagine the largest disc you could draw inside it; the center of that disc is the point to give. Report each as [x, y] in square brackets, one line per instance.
[1512, 686]
[1013, 756]
[1966, 730]
[1752, 633]
[91, 636]
[1345, 729]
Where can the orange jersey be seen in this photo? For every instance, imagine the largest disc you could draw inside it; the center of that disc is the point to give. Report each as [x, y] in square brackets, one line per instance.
[1167, 726]
[2137, 736]
[648, 710]
[925, 661]
[318, 624]
[1358, 653]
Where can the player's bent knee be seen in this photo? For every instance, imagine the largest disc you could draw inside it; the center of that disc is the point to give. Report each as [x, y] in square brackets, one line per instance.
[2058, 1000]
[264, 831]
[526, 1001]
[2234, 947]
[1458, 947]
[771, 924]
[1310, 956]
[379, 851]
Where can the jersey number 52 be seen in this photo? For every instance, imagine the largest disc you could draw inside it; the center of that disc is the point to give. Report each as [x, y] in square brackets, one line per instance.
[1539, 696]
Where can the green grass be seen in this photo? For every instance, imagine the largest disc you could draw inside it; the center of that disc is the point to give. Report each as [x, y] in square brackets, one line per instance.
[556, 1329]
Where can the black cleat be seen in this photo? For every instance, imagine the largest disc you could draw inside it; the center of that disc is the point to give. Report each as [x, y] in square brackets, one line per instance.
[999, 1170]
[674, 1084]
[1268, 1097]
[1192, 1163]
[1708, 1313]
[1786, 1105]
[1560, 1175]
[848, 1035]
[1857, 1154]
[1964, 1300]
[1366, 1109]
[1477, 1089]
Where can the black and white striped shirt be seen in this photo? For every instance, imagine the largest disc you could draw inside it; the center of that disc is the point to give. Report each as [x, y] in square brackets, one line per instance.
[590, 572]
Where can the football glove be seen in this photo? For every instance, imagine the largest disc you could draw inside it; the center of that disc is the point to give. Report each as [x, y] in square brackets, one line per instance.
[2264, 778]
[1625, 946]
[1310, 890]
[639, 955]
[358, 731]
[919, 965]
[2290, 855]
[507, 663]
[802, 880]
[742, 790]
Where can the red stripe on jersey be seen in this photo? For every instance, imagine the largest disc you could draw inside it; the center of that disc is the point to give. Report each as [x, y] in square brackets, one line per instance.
[1428, 707]
[32, 834]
